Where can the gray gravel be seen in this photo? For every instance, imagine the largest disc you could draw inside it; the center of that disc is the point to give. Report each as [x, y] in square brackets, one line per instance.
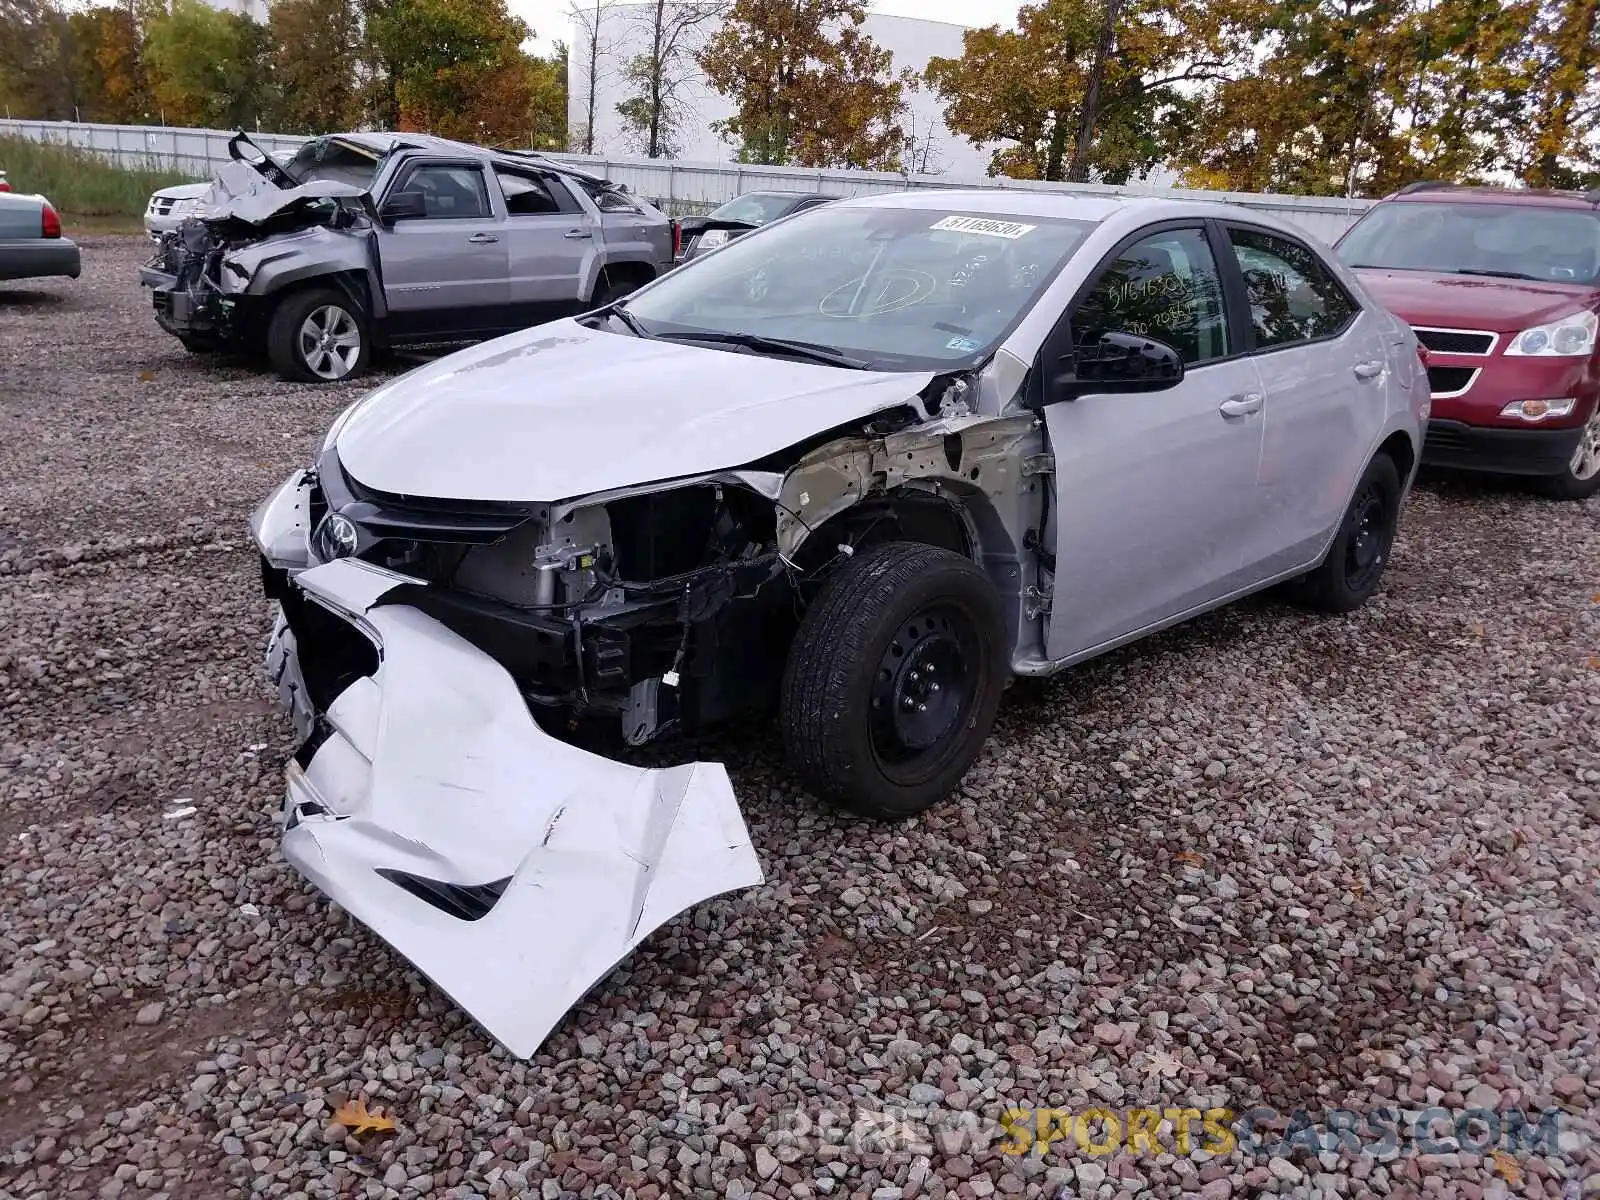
[1268, 859]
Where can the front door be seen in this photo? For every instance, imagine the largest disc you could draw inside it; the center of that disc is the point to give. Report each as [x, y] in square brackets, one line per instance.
[445, 272]
[1154, 493]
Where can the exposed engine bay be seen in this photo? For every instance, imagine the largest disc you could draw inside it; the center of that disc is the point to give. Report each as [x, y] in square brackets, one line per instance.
[670, 607]
[201, 273]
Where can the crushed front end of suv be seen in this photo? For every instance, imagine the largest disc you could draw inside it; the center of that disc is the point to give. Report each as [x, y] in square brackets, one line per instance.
[365, 241]
[860, 471]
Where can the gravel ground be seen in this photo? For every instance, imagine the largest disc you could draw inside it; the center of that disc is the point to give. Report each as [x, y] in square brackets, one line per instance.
[1265, 860]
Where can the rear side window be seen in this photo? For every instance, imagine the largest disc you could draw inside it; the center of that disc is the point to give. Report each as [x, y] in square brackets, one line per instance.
[1293, 297]
[526, 195]
[1166, 287]
[451, 192]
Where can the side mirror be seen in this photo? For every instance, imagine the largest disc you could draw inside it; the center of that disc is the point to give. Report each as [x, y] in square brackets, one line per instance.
[403, 206]
[1118, 362]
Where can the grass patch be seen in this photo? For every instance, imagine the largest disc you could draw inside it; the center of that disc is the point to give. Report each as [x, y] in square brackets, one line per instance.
[80, 183]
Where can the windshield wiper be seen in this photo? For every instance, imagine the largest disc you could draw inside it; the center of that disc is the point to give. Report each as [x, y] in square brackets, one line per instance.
[635, 326]
[826, 355]
[1499, 274]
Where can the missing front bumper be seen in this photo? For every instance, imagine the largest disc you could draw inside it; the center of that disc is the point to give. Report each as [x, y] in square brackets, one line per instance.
[512, 869]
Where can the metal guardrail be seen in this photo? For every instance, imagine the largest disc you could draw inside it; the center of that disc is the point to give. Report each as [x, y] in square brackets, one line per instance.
[678, 187]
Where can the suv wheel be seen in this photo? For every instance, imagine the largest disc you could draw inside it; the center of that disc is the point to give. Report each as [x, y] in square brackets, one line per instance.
[318, 336]
[1581, 479]
[894, 679]
[1352, 569]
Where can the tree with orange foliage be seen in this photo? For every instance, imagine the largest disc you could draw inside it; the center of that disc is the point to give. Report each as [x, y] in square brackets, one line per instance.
[809, 87]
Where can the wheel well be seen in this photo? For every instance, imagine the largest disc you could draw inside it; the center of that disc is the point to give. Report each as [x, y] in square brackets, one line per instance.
[352, 283]
[907, 514]
[639, 273]
[1398, 447]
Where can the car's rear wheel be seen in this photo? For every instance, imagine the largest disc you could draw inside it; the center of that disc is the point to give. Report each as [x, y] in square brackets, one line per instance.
[1581, 479]
[1353, 568]
[894, 679]
[318, 336]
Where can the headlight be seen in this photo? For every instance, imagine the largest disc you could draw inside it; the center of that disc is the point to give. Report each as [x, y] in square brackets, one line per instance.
[712, 238]
[1569, 336]
[1538, 410]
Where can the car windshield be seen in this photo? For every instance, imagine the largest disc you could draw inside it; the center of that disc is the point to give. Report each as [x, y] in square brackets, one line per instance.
[893, 288]
[1517, 241]
[331, 159]
[757, 208]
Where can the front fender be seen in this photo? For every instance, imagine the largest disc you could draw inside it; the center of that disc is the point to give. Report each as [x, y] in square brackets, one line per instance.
[271, 266]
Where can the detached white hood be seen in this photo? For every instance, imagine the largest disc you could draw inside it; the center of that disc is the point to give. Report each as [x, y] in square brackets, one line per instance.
[560, 411]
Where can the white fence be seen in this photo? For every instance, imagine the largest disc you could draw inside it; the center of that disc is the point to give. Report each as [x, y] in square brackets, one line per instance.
[678, 186]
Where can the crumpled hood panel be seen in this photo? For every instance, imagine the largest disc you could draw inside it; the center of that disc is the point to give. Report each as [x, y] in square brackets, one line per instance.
[560, 411]
[242, 193]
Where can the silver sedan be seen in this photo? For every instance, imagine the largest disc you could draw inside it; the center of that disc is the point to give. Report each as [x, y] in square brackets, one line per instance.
[31, 245]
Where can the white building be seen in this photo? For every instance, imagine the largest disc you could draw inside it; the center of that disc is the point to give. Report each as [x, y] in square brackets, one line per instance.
[624, 32]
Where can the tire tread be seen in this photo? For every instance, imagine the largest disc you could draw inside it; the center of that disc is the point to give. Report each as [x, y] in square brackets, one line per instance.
[847, 618]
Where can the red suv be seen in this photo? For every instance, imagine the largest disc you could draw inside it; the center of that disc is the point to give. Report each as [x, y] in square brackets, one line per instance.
[1503, 289]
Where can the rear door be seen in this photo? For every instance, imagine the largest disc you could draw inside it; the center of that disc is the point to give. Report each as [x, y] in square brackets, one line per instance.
[1325, 367]
[445, 273]
[1153, 495]
[551, 244]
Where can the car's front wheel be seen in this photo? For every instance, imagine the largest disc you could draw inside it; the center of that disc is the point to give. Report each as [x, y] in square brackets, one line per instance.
[1581, 479]
[1352, 569]
[318, 336]
[894, 679]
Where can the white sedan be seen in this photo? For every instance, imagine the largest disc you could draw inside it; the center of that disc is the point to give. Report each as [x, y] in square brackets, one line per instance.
[860, 471]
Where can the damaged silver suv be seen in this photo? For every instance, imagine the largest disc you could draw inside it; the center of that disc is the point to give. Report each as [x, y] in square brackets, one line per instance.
[862, 469]
[369, 240]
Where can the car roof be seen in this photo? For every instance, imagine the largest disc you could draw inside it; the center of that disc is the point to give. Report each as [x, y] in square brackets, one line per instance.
[783, 193]
[387, 143]
[1447, 193]
[1001, 202]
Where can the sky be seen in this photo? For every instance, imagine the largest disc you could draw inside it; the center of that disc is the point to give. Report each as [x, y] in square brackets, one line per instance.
[550, 22]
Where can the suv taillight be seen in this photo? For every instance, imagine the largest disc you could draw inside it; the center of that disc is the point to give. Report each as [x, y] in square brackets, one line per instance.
[677, 239]
[50, 223]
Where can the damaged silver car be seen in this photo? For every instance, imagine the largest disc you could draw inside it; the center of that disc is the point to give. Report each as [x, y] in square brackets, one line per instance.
[860, 471]
[367, 241]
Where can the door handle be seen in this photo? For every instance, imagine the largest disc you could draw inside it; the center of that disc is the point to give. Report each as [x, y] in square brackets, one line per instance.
[482, 239]
[577, 233]
[1368, 370]
[1240, 406]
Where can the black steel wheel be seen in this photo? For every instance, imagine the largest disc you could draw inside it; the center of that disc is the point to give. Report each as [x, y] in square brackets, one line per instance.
[1372, 535]
[894, 679]
[923, 690]
[1353, 568]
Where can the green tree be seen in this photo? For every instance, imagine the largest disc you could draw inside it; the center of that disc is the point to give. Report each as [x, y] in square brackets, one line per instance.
[1087, 87]
[456, 68]
[547, 116]
[317, 48]
[35, 60]
[1560, 101]
[808, 86]
[1362, 96]
[210, 68]
[108, 76]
